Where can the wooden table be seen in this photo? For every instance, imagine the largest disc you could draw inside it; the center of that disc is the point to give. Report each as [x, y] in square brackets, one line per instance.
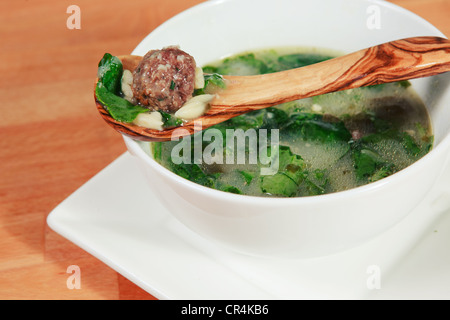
[52, 140]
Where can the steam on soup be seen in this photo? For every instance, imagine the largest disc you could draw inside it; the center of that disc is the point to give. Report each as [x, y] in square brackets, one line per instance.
[312, 146]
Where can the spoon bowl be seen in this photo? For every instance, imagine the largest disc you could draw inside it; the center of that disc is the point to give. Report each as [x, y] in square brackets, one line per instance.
[388, 62]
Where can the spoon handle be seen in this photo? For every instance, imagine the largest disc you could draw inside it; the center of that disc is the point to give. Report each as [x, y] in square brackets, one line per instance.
[389, 62]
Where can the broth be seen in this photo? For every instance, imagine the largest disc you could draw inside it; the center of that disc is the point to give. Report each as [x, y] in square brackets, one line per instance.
[327, 143]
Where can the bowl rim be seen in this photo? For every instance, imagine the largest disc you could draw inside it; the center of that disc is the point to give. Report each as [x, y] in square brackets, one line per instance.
[437, 150]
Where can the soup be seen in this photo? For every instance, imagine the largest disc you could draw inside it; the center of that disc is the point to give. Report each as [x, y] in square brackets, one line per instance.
[307, 147]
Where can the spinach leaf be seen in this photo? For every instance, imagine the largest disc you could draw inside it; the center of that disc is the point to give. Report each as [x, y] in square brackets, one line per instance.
[194, 173]
[381, 173]
[378, 87]
[120, 109]
[108, 87]
[110, 72]
[214, 79]
[209, 69]
[425, 138]
[279, 184]
[404, 83]
[246, 64]
[231, 189]
[369, 165]
[213, 82]
[312, 126]
[251, 120]
[315, 182]
[290, 174]
[292, 61]
[247, 175]
[366, 162]
[414, 148]
[410, 144]
[274, 118]
[170, 120]
[157, 151]
[378, 137]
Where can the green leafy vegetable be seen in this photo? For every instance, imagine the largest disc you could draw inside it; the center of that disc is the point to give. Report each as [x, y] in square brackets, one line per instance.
[250, 64]
[247, 175]
[314, 127]
[231, 189]
[274, 118]
[119, 108]
[213, 82]
[194, 173]
[404, 83]
[209, 69]
[157, 151]
[108, 87]
[366, 160]
[315, 182]
[381, 173]
[253, 120]
[110, 72]
[298, 60]
[378, 87]
[410, 144]
[279, 185]
[170, 120]
[247, 63]
[286, 181]
[215, 79]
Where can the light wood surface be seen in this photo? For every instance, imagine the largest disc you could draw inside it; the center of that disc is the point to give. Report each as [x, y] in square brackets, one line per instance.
[53, 139]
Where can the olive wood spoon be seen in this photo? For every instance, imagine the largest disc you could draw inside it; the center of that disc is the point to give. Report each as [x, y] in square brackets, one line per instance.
[389, 62]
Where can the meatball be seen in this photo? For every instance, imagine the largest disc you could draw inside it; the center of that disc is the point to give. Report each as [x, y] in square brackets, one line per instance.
[164, 79]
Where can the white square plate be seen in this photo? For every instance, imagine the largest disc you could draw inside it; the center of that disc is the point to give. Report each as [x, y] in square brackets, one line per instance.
[115, 218]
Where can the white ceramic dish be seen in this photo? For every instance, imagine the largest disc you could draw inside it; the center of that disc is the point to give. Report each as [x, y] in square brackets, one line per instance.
[297, 227]
[115, 218]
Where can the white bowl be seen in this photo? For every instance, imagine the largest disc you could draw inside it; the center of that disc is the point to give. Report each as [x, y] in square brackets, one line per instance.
[309, 226]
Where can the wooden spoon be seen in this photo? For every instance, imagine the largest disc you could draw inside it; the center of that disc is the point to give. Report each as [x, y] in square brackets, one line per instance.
[389, 62]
